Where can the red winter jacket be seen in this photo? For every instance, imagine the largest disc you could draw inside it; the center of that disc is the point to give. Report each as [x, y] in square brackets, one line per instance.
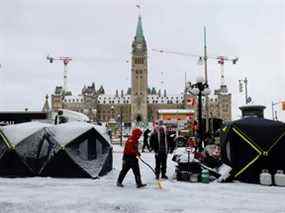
[131, 146]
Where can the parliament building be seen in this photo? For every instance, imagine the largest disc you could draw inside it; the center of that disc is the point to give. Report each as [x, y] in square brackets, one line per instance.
[140, 102]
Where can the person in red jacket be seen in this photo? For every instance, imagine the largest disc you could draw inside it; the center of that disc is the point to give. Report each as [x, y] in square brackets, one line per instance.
[130, 160]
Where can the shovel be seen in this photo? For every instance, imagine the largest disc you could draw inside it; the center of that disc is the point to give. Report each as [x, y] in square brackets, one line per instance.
[149, 166]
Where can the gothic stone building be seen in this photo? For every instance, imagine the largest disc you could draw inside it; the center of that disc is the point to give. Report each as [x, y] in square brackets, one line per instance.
[139, 103]
[220, 104]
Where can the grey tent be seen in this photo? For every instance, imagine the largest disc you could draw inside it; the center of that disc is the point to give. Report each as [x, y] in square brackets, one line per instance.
[74, 149]
[12, 145]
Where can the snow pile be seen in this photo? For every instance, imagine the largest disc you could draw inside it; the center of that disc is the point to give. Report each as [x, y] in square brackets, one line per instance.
[67, 132]
[23, 130]
[103, 131]
[73, 115]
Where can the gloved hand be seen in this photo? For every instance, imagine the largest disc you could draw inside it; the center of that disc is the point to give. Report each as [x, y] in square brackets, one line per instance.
[124, 162]
[138, 154]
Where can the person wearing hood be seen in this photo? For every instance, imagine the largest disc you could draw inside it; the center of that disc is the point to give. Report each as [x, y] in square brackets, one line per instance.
[130, 160]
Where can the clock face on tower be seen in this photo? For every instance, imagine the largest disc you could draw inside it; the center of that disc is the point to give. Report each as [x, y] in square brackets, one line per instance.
[139, 46]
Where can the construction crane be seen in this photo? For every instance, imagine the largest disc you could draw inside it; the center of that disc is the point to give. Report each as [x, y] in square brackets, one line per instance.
[221, 62]
[65, 61]
[220, 59]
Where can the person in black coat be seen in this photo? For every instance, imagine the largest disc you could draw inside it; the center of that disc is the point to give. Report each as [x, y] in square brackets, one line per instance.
[171, 142]
[158, 143]
[145, 140]
[59, 118]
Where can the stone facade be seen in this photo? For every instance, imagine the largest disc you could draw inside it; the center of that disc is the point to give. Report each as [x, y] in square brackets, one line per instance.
[140, 102]
[220, 106]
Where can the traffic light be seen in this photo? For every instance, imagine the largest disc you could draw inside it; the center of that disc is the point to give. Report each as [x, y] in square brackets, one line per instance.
[50, 59]
[248, 100]
[235, 60]
[240, 86]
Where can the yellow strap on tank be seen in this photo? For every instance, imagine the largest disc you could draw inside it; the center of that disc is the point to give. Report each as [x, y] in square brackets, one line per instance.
[256, 148]
[247, 165]
[248, 141]
[248, 138]
[6, 141]
[276, 141]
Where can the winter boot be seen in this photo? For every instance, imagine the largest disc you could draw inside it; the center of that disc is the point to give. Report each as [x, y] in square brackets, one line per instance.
[141, 185]
[164, 176]
[120, 184]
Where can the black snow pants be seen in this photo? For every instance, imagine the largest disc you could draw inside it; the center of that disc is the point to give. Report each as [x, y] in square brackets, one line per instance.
[160, 164]
[145, 145]
[130, 162]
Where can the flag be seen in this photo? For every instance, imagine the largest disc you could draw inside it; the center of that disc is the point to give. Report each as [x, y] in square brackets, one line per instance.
[191, 101]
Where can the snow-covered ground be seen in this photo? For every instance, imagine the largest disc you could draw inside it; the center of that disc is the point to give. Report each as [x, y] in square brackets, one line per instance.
[101, 195]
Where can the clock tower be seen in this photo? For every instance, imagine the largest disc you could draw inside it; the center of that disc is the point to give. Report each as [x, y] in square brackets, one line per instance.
[139, 76]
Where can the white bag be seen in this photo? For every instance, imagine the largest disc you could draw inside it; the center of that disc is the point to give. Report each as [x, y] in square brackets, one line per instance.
[224, 170]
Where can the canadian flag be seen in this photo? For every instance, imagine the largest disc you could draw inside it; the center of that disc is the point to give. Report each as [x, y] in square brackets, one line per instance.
[191, 101]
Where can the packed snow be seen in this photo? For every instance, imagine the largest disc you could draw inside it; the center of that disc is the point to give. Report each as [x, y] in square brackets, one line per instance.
[64, 133]
[103, 196]
[23, 129]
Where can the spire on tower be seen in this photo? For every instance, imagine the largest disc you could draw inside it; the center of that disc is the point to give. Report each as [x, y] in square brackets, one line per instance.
[139, 32]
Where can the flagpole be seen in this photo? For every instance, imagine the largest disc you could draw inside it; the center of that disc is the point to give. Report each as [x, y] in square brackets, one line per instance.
[206, 78]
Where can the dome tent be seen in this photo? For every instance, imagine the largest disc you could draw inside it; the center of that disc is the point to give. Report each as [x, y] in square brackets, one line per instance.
[13, 143]
[74, 149]
[252, 144]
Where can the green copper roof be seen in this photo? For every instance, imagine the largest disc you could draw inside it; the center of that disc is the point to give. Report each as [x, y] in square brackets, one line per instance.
[139, 33]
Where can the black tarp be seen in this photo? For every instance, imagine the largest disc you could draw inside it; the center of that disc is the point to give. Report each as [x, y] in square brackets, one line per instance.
[74, 149]
[252, 144]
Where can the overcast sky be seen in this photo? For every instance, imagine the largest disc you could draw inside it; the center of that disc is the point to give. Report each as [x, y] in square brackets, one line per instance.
[98, 35]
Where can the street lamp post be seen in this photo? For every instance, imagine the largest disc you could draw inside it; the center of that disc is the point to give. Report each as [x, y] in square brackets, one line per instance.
[112, 112]
[121, 126]
[245, 82]
[212, 123]
[112, 119]
[206, 78]
[199, 89]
